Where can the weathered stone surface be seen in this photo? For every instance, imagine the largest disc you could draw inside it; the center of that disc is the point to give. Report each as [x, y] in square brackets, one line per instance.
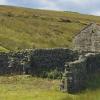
[46, 60]
[88, 39]
[75, 75]
[11, 63]
[76, 72]
[3, 63]
[92, 63]
[36, 61]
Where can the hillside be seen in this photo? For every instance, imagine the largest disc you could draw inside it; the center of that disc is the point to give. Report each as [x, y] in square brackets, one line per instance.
[22, 28]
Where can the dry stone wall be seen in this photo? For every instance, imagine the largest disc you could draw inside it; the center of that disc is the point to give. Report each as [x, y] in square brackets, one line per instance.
[46, 60]
[3, 63]
[77, 72]
[36, 62]
[13, 62]
[75, 75]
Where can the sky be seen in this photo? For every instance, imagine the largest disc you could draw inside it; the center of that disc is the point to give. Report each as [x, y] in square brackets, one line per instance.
[81, 6]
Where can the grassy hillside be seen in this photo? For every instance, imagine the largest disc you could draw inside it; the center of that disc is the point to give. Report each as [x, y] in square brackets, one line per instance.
[22, 28]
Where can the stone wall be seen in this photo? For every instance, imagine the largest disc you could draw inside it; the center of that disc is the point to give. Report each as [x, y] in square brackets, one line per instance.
[93, 63]
[37, 61]
[88, 39]
[13, 62]
[77, 72]
[75, 75]
[46, 60]
[3, 63]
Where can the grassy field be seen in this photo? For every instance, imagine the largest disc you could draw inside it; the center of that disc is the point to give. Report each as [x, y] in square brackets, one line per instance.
[30, 88]
[22, 28]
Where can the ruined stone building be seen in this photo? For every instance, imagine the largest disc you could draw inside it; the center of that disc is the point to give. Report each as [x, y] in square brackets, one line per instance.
[88, 39]
[84, 59]
[87, 43]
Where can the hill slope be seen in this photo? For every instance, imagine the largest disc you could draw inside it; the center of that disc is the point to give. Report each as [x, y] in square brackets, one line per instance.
[22, 28]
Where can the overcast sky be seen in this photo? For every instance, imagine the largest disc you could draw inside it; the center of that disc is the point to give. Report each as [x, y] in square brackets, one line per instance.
[81, 6]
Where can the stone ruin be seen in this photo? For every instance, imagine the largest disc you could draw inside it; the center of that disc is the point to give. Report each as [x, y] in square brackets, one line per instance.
[87, 43]
[37, 62]
[88, 39]
[45, 61]
[77, 63]
[3, 63]
[10, 63]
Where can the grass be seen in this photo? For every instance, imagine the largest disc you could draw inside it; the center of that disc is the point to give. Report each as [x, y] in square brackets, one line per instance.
[2, 49]
[31, 88]
[28, 88]
[22, 28]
